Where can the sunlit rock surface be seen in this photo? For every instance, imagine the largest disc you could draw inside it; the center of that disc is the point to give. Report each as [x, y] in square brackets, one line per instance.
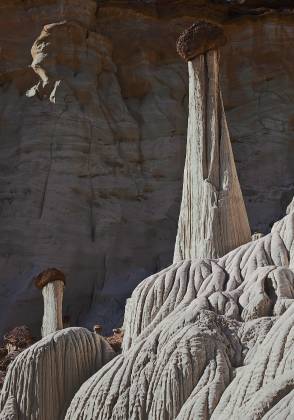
[43, 379]
[209, 339]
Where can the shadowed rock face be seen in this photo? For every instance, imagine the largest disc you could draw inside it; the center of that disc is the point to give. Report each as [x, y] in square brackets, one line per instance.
[93, 142]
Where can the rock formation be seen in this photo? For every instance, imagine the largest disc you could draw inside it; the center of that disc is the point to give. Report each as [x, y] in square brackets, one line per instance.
[43, 379]
[213, 218]
[51, 282]
[93, 137]
[10, 411]
[205, 339]
[200, 336]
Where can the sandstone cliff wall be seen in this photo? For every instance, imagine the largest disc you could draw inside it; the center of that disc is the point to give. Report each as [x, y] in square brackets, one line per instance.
[92, 136]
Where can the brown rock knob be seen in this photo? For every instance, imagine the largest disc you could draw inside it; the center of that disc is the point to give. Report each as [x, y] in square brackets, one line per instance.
[48, 276]
[97, 329]
[199, 38]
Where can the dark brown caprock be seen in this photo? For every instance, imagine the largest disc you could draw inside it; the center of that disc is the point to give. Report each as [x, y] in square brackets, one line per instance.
[199, 38]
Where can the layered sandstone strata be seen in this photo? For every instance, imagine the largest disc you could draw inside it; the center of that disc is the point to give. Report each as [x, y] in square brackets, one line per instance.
[93, 136]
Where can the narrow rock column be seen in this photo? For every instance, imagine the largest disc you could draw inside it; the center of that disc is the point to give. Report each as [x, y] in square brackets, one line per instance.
[52, 283]
[213, 218]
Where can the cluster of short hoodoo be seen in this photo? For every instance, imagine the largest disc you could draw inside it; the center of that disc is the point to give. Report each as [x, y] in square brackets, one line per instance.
[211, 336]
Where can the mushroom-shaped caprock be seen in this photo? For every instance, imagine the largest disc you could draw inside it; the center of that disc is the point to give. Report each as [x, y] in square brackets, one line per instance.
[97, 329]
[199, 38]
[52, 282]
[213, 219]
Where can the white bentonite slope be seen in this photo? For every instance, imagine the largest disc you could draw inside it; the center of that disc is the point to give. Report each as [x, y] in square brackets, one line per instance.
[205, 339]
[43, 379]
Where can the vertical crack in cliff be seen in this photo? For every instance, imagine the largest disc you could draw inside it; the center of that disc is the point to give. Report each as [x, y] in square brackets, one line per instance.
[44, 193]
[51, 158]
[61, 10]
[91, 186]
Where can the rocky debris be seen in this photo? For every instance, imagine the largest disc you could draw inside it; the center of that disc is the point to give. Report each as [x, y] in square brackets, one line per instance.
[116, 339]
[43, 379]
[18, 338]
[15, 341]
[256, 236]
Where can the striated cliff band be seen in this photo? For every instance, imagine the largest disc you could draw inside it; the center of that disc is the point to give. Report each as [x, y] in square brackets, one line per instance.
[209, 337]
[93, 119]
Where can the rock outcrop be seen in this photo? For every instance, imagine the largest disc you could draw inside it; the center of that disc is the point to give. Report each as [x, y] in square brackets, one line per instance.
[93, 136]
[97, 129]
[200, 336]
[213, 218]
[209, 339]
[51, 282]
[43, 379]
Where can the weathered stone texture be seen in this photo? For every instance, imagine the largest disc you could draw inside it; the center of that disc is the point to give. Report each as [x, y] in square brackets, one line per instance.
[205, 339]
[43, 379]
[92, 139]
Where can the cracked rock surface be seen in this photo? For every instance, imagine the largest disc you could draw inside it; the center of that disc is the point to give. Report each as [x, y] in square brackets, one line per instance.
[93, 117]
[208, 339]
[43, 379]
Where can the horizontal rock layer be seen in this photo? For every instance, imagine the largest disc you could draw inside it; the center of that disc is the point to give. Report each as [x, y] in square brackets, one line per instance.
[93, 128]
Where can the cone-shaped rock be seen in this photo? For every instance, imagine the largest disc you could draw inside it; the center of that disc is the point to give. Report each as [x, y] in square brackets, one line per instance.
[213, 217]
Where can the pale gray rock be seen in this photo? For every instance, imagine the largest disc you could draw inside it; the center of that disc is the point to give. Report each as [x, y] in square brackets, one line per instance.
[264, 387]
[233, 277]
[213, 218]
[52, 318]
[189, 353]
[209, 339]
[10, 411]
[43, 379]
[51, 282]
